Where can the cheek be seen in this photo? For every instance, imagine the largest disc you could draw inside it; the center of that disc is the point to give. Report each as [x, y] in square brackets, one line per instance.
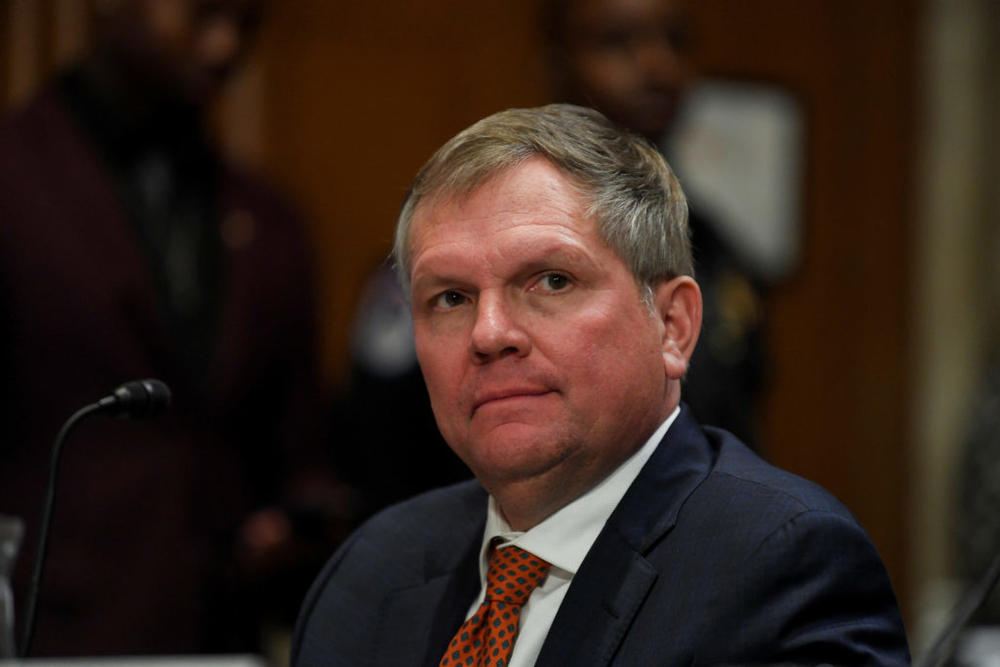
[442, 374]
[613, 353]
[430, 361]
[443, 402]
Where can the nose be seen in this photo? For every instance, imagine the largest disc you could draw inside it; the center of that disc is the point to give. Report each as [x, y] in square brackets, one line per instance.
[221, 42]
[659, 60]
[497, 333]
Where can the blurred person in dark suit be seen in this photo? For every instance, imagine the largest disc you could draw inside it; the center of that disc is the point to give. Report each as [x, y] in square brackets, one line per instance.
[631, 60]
[385, 406]
[130, 248]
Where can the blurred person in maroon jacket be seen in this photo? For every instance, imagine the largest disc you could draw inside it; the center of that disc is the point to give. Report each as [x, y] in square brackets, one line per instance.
[129, 248]
[632, 61]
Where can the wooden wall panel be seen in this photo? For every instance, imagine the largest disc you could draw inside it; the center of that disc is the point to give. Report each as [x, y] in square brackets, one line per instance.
[360, 95]
[839, 333]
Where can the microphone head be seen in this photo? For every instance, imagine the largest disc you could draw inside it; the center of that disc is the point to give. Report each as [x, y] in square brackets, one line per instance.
[140, 399]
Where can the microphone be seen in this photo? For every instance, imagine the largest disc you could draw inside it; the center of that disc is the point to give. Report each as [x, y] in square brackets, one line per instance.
[138, 399]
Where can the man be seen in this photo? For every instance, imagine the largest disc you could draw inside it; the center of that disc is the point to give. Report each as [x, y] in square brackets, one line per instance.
[632, 61]
[546, 255]
[129, 248]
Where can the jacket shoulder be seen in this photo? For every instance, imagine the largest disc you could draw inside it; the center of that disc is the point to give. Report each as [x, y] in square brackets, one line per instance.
[750, 483]
[783, 567]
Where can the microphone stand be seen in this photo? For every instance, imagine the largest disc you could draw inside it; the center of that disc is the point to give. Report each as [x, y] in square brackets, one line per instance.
[46, 522]
[966, 607]
[136, 399]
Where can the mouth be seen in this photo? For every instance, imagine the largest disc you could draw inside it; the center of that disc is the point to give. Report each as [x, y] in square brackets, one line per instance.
[499, 397]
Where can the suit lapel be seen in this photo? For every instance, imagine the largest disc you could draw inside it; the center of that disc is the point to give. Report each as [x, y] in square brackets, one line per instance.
[594, 618]
[416, 623]
[615, 578]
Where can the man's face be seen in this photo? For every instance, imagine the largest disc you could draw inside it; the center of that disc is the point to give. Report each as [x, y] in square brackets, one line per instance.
[187, 48]
[629, 59]
[541, 359]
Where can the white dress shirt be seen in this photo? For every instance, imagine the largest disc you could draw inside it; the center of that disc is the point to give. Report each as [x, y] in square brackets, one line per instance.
[563, 539]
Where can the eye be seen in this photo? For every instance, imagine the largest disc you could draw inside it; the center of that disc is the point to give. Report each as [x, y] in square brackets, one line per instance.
[449, 299]
[554, 282]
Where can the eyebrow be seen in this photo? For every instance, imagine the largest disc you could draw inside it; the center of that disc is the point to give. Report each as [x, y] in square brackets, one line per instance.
[554, 256]
[565, 255]
[434, 282]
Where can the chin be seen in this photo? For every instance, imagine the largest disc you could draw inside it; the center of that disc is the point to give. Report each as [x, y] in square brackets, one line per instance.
[515, 452]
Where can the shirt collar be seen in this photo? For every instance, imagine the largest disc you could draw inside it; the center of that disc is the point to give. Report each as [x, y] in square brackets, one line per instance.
[565, 537]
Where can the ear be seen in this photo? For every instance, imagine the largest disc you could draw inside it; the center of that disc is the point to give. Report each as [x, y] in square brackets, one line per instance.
[677, 303]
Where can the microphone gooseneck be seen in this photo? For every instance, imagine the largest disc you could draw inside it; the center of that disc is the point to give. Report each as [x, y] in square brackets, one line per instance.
[138, 399]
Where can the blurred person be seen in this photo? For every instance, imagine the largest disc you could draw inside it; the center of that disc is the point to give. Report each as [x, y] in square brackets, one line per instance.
[546, 257]
[385, 406]
[130, 248]
[631, 60]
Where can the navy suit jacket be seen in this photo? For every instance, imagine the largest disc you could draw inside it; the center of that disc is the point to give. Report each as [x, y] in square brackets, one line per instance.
[711, 557]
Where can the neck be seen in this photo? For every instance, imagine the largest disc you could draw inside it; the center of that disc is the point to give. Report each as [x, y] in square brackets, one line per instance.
[525, 503]
[135, 95]
[523, 507]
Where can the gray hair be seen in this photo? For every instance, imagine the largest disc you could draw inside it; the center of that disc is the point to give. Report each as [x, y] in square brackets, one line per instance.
[633, 195]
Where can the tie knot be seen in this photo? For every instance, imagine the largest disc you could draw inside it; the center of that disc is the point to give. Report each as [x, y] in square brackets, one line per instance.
[513, 574]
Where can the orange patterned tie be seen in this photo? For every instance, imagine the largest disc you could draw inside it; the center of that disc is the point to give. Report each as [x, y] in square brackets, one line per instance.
[486, 639]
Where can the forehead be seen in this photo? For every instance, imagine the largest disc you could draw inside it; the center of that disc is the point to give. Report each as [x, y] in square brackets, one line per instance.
[533, 196]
